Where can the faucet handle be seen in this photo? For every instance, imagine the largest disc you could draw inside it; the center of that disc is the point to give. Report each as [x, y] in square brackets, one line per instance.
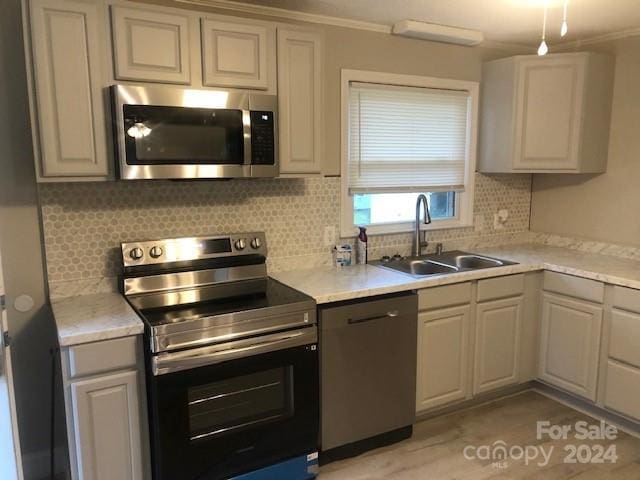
[439, 248]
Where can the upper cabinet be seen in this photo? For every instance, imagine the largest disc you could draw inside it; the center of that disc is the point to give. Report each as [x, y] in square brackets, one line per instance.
[184, 47]
[67, 38]
[546, 114]
[79, 48]
[236, 54]
[151, 45]
[300, 73]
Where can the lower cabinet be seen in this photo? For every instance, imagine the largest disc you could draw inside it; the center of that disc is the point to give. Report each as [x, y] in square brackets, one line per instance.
[470, 336]
[497, 351]
[477, 337]
[443, 345]
[622, 389]
[106, 416]
[105, 406]
[570, 344]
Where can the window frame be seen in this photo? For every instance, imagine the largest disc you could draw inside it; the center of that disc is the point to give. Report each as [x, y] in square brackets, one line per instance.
[464, 200]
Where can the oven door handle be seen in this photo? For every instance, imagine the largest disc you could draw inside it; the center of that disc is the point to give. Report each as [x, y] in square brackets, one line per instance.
[187, 359]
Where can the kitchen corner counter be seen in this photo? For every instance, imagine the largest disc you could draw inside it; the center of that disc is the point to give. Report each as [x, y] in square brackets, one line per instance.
[91, 318]
[329, 284]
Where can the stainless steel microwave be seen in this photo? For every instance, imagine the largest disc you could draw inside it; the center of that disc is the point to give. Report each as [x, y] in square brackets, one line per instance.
[182, 133]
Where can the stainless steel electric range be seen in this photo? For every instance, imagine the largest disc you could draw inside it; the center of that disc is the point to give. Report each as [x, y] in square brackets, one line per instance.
[231, 356]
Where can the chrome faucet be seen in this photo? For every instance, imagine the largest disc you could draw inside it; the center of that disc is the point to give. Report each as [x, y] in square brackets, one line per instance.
[419, 243]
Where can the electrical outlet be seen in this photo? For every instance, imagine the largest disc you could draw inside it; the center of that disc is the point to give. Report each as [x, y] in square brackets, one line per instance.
[329, 236]
[500, 219]
[497, 225]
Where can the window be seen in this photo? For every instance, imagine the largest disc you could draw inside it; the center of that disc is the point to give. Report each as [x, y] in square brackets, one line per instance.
[385, 208]
[402, 136]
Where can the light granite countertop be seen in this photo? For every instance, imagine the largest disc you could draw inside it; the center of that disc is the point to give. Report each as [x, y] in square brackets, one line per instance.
[91, 318]
[101, 316]
[328, 284]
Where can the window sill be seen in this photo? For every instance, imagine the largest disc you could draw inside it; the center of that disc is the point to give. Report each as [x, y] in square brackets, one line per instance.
[394, 228]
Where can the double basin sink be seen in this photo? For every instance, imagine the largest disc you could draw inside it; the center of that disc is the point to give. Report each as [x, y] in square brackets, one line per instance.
[449, 262]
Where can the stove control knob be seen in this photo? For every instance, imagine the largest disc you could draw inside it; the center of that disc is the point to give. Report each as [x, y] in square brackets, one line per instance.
[136, 253]
[241, 243]
[156, 252]
[256, 243]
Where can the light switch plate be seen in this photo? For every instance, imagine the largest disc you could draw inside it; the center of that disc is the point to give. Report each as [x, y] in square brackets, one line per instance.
[478, 223]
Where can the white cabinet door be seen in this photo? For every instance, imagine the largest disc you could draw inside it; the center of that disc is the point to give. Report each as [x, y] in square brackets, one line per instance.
[107, 427]
[497, 353]
[300, 60]
[443, 365]
[151, 46]
[235, 54]
[549, 113]
[67, 39]
[622, 389]
[570, 344]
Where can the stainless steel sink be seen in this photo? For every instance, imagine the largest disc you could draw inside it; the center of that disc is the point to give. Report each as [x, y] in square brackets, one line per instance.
[425, 267]
[473, 262]
[449, 262]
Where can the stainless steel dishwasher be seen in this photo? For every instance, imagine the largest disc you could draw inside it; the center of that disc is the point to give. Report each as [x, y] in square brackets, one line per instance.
[368, 354]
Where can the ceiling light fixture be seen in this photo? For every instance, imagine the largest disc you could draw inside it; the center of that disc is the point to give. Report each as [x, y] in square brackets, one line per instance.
[543, 49]
[565, 28]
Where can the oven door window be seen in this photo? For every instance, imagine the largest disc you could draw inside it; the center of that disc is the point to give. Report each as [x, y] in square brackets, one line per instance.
[240, 403]
[156, 135]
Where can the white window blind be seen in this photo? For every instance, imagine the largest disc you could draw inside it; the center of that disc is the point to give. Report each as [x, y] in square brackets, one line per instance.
[407, 139]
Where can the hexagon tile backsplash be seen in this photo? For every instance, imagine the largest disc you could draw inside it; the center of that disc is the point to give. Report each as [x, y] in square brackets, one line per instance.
[84, 223]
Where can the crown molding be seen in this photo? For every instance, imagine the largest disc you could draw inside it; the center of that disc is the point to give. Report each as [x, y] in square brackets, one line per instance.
[290, 14]
[607, 37]
[295, 15]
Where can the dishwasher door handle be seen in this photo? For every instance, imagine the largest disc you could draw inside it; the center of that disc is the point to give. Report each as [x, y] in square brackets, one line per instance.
[389, 314]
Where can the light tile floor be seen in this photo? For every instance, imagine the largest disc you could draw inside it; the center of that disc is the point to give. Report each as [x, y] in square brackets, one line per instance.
[435, 452]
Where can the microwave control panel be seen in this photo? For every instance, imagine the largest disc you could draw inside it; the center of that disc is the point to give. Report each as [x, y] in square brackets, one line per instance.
[262, 138]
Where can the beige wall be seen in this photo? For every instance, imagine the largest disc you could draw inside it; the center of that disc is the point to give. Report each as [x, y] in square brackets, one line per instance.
[601, 207]
[32, 332]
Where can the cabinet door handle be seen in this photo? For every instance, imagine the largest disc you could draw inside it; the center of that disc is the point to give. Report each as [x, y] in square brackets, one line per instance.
[389, 314]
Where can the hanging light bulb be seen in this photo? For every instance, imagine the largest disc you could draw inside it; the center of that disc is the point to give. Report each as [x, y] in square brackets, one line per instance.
[565, 28]
[543, 49]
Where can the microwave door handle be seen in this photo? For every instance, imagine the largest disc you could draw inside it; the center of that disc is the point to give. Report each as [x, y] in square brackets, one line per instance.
[246, 135]
[172, 362]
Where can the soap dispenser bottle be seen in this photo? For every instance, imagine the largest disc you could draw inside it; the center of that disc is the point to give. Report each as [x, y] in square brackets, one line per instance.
[361, 246]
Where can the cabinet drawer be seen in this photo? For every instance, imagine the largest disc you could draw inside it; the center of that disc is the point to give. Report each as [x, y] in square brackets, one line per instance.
[624, 342]
[101, 357]
[445, 296]
[500, 287]
[623, 389]
[574, 286]
[626, 299]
